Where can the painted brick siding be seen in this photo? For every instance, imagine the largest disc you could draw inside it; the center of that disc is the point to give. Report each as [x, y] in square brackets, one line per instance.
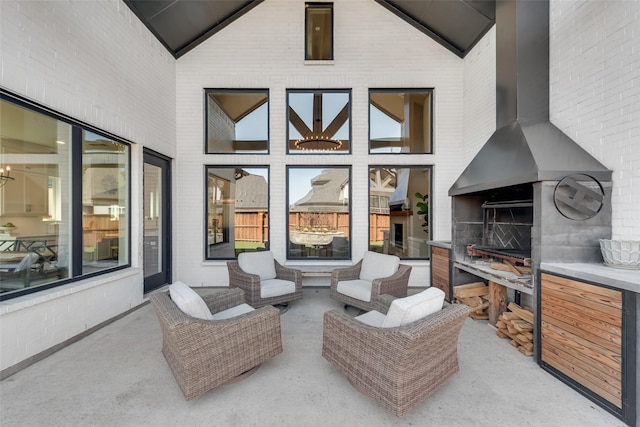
[96, 62]
[595, 93]
[265, 49]
[479, 96]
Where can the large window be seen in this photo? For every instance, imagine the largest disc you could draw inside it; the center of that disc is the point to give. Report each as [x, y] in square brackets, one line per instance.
[319, 212]
[64, 200]
[237, 121]
[237, 210]
[319, 31]
[319, 121]
[400, 210]
[400, 121]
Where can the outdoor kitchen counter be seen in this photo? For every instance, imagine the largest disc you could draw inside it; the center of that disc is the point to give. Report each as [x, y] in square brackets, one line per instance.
[618, 278]
[440, 244]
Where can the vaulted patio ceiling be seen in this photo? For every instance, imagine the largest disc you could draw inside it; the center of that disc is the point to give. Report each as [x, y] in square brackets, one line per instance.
[181, 25]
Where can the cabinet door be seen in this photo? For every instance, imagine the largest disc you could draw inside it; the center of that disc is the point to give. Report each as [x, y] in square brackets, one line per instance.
[13, 194]
[36, 193]
[26, 195]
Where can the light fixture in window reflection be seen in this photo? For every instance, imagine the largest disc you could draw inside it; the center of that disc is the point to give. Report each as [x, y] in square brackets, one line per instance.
[5, 177]
[318, 143]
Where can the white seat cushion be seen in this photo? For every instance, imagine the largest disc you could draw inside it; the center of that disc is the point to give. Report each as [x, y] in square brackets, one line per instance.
[260, 263]
[409, 309]
[372, 318]
[233, 312]
[189, 301]
[357, 288]
[276, 287]
[377, 266]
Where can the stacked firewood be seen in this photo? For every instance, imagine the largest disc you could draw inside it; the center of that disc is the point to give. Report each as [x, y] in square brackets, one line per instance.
[517, 324]
[475, 295]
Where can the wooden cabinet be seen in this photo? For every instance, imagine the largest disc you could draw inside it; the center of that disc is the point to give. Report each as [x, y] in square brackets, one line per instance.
[440, 270]
[27, 194]
[581, 329]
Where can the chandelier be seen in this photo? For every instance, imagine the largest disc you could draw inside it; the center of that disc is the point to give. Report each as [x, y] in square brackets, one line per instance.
[318, 143]
[5, 177]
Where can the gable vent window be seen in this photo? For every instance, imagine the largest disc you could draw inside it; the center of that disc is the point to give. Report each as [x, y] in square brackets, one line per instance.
[319, 31]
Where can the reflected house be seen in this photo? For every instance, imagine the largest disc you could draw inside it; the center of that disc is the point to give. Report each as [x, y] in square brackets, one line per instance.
[319, 221]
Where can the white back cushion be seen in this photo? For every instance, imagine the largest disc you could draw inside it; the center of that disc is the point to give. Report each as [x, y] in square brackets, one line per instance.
[260, 263]
[189, 301]
[409, 309]
[376, 266]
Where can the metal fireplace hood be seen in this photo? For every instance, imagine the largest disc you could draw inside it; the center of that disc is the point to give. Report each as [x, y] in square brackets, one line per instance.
[526, 147]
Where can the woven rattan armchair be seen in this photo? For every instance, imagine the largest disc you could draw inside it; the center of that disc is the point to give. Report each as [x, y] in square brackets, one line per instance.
[399, 367]
[251, 283]
[203, 354]
[395, 285]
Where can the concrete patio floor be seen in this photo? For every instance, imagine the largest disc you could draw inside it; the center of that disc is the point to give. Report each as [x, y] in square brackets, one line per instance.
[118, 377]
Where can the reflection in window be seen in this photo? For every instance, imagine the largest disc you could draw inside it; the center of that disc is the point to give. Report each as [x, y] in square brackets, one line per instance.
[105, 200]
[237, 121]
[237, 211]
[399, 210]
[400, 122]
[319, 31]
[37, 221]
[319, 212]
[319, 121]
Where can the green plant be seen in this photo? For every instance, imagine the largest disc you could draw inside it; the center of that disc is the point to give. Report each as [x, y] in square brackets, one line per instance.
[423, 209]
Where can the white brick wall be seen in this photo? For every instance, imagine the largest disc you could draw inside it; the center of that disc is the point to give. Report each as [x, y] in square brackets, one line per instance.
[479, 97]
[96, 62]
[265, 49]
[595, 93]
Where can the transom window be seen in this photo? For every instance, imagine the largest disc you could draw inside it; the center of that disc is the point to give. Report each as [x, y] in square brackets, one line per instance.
[319, 121]
[319, 31]
[237, 121]
[400, 121]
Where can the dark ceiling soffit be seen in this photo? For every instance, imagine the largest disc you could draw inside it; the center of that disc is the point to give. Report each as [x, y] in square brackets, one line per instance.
[424, 28]
[215, 27]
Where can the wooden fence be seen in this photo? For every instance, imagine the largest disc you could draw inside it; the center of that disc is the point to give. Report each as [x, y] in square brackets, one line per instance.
[254, 226]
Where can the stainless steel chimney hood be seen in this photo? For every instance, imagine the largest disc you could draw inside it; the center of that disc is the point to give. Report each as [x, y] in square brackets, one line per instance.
[526, 147]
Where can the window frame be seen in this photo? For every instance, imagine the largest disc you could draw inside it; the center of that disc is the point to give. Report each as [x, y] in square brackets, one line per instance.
[209, 91]
[209, 167]
[412, 198]
[310, 6]
[75, 238]
[349, 169]
[349, 94]
[430, 91]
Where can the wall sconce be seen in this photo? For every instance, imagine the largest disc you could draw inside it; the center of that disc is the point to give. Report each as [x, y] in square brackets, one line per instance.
[5, 177]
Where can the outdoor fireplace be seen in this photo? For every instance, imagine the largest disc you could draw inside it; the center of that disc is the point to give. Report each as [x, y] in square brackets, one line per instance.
[531, 194]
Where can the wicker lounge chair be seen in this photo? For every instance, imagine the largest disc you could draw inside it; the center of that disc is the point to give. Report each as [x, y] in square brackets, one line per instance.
[203, 354]
[395, 283]
[399, 366]
[254, 273]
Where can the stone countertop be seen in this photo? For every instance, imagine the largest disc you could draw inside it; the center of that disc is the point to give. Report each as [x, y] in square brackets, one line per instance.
[440, 244]
[598, 273]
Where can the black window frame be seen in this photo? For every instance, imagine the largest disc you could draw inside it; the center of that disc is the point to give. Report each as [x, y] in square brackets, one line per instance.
[349, 168]
[310, 6]
[76, 237]
[431, 92]
[431, 168]
[208, 91]
[208, 167]
[350, 126]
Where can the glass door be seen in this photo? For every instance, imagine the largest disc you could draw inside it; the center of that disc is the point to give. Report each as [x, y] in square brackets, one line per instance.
[157, 220]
